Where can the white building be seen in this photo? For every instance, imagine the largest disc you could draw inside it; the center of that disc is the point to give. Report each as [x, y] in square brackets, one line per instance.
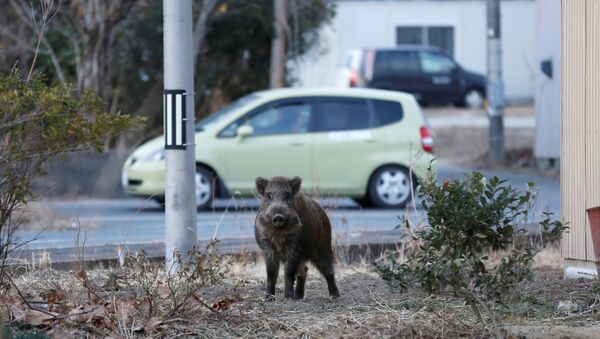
[457, 26]
[547, 83]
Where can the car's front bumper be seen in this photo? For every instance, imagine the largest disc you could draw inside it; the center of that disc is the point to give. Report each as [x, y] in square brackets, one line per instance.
[143, 178]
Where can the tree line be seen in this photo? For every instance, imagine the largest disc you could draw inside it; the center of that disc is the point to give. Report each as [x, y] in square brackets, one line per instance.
[114, 48]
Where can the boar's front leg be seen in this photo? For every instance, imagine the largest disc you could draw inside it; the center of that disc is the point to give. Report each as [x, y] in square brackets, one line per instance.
[300, 281]
[272, 271]
[291, 268]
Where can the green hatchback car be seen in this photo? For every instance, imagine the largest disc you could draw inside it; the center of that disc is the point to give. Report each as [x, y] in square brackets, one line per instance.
[370, 145]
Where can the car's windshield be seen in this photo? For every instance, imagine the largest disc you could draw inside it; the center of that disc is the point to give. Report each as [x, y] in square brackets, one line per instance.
[224, 112]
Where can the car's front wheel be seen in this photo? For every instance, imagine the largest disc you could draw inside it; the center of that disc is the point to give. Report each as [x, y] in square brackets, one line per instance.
[390, 187]
[204, 181]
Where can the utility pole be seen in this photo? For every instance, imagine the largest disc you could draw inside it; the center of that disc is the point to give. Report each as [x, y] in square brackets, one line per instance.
[495, 87]
[180, 166]
[278, 43]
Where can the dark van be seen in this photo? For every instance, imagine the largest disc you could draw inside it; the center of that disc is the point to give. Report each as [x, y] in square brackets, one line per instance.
[429, 74]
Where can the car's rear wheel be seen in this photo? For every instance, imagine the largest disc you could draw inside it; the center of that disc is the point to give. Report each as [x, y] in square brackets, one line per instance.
[364, 202]
[473, 98]
[204, 181]
[159, 200]
[390, 187]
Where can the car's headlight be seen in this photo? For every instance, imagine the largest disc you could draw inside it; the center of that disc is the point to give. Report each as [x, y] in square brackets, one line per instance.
[156, 155]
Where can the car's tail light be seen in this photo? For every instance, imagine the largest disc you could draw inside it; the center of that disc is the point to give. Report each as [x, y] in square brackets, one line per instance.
[353, 78]
[426, 139]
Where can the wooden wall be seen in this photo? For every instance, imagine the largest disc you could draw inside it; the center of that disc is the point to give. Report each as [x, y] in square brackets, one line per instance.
[580, 119]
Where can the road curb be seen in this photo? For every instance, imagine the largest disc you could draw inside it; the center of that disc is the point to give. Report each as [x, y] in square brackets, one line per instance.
[350, 247]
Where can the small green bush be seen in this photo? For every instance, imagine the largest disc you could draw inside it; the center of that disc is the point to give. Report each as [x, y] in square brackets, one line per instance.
[468, 219]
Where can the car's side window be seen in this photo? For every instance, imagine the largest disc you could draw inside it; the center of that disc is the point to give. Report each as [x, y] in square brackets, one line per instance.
[386, 112]
[278, 118]
[395, 62]
[434, 63]
[340, 114]
[285, 118]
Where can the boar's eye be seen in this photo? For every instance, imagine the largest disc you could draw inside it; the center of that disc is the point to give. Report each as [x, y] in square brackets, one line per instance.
[269, 196]
[286, 196]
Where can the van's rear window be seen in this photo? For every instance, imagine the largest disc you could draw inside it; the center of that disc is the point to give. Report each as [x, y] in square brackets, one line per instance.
[387, 112]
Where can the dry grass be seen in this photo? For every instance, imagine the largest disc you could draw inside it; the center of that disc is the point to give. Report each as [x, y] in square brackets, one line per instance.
[367, 308]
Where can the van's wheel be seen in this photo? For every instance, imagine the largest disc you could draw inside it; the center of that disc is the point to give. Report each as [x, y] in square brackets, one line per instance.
[473, 98]
[389, 187]
[204, 181]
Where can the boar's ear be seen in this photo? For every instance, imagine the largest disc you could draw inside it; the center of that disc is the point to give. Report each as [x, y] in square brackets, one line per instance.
[261, 184]
[295, 184]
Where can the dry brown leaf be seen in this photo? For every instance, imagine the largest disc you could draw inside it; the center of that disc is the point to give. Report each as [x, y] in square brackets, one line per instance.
[95, 312]
[163, 291]
[37, 318]
[124, 307]
[65, 308]
[53, 296]
[225, 304]
[152, 324]
[81, 275]
[75, 314]
[94, 299]
[17, 312]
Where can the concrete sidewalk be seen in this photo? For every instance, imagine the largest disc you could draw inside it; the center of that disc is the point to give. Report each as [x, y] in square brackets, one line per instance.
[479, 121]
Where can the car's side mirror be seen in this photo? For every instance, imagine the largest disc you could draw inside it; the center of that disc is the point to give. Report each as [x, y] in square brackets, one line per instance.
[244, 131]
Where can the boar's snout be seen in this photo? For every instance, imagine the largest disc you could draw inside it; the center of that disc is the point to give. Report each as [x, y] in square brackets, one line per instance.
[278, 220]
[280, 215]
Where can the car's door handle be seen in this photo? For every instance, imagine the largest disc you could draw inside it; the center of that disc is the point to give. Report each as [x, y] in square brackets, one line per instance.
[297, 144]
[372, 141]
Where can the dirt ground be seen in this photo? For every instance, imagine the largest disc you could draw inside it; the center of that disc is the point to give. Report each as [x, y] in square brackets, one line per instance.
[469, 146]
[548, 307]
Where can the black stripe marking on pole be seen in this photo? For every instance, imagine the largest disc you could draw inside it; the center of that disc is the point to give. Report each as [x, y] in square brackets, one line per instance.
[174, 118]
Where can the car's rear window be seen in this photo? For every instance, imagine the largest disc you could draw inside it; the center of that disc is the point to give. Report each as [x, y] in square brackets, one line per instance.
[387, 112]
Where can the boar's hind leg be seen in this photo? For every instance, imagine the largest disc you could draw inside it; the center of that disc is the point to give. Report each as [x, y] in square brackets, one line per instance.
[300, 281]
[272, 272]
[325, 265]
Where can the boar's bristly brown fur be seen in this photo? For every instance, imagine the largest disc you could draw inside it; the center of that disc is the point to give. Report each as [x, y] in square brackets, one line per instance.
[294, 229]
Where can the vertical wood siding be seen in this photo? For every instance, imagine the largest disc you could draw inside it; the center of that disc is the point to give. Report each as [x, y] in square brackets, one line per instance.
[592, 109]
[573, 39]
[580, 118]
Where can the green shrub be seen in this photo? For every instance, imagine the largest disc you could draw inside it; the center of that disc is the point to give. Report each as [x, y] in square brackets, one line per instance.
[39, 125]
[468, 219]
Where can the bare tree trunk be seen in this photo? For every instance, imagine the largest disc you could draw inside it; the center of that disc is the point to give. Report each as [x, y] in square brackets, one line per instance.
[96, 21]
[200, 27]
[280, 27]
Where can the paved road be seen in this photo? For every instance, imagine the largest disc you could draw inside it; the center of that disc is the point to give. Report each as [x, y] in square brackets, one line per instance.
[139, 221]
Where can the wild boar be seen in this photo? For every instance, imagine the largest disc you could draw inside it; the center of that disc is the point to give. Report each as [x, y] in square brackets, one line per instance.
[292, 228]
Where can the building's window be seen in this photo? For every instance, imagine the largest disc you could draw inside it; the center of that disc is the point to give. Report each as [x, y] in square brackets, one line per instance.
[441, 37]
[409, 35]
